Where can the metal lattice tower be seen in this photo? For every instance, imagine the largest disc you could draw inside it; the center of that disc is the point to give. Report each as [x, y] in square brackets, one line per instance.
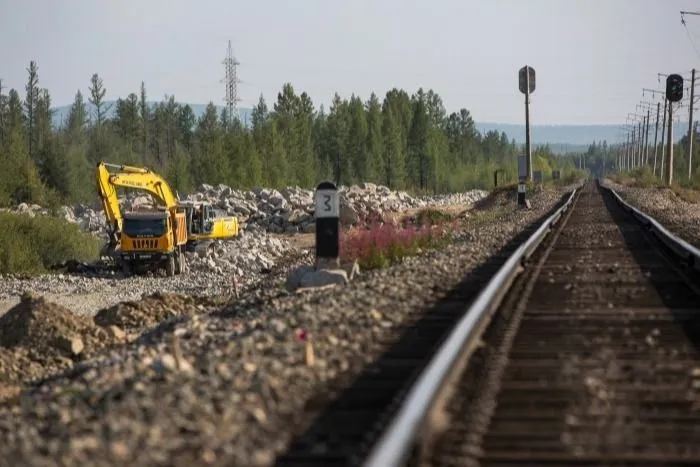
[231, 81]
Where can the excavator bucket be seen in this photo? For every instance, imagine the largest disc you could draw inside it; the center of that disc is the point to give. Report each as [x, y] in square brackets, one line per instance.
[110, 249]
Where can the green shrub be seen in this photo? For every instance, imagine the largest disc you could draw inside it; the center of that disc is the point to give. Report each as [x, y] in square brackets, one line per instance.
[29, 245]
[640, 177]
[570, 176]
[644, 177]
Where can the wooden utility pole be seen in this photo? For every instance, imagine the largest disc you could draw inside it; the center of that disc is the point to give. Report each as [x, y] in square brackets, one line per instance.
[640, 142]
[634, 148]
[690, 125]
[646, 140]
[644, 143]
[663, 135]
[2, 113]
[669, 150]
[656, 134]
[654, 92]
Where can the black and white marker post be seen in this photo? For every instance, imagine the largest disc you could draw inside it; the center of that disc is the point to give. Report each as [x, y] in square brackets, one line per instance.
[327, 213]
[522, 176]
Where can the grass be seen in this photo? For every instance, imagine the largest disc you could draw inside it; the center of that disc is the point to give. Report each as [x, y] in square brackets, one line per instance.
[621, 178]
[641, 177]
[382, 244]
[644, 178]
[688, 195]
[30, 245]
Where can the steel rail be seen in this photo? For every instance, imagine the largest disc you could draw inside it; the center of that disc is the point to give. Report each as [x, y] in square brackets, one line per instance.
[680, 247]
[397, 441]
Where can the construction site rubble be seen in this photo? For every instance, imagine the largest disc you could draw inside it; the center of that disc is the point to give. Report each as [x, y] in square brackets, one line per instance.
[290, 210]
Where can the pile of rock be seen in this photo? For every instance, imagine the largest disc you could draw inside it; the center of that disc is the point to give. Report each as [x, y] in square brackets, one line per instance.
[37, 336]
[290, 210]
[466, 198]
[240, 257]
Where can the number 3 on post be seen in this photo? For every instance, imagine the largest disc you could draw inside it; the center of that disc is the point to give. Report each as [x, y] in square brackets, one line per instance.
[327, 204]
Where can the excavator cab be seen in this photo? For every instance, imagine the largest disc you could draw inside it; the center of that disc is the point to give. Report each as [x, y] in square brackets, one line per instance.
[207, 218]
[202, 219]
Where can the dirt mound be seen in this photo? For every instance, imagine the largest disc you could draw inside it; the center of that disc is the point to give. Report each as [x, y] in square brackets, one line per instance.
[34, 322]
[38, 337]
[498, 197]
[428, 217]
[151, 310]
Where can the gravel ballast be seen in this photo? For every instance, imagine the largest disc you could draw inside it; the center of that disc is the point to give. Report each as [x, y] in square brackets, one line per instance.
[680, 217]
[227, 387]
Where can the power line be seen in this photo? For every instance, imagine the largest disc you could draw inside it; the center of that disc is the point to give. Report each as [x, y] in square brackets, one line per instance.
[687, 31]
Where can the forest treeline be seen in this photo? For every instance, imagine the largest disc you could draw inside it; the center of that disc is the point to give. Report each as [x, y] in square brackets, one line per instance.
[405, 141]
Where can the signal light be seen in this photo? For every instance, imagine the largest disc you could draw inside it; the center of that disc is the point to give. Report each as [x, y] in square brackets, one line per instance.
[674, 87]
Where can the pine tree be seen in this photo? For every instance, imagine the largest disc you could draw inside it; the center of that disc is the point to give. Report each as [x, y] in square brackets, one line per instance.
[394, 165]
[99, 145]
[97, 95]
[357, 139]
[403, 141]
[144, 115]
[276, 163]
[30, 103]
[373, 144]
[338, 131]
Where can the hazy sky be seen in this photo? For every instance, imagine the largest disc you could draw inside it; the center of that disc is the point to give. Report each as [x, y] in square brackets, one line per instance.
[592, 57]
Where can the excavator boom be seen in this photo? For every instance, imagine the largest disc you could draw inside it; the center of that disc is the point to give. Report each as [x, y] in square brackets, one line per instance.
[142, 179]
[109, 199]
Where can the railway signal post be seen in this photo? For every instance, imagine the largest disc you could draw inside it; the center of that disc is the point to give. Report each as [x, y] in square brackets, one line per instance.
[327, 216]
[526, 84]
[674, 93]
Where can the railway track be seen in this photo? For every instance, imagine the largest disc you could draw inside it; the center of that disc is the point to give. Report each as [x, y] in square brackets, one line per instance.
[591, 358]
[345, 428]
[582, 348]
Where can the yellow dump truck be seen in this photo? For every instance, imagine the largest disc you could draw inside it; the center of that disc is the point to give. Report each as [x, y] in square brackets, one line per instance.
[153, 239]
[159, 237]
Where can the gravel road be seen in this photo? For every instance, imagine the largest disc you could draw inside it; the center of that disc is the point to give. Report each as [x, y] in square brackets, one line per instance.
[680, 217]
[227, 385]
[245, 259]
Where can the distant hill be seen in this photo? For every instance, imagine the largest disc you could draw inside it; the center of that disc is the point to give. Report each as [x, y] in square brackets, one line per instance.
[570, 138]
[561, 138]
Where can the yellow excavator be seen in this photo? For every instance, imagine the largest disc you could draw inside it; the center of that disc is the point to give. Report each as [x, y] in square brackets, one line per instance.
[157, 238]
